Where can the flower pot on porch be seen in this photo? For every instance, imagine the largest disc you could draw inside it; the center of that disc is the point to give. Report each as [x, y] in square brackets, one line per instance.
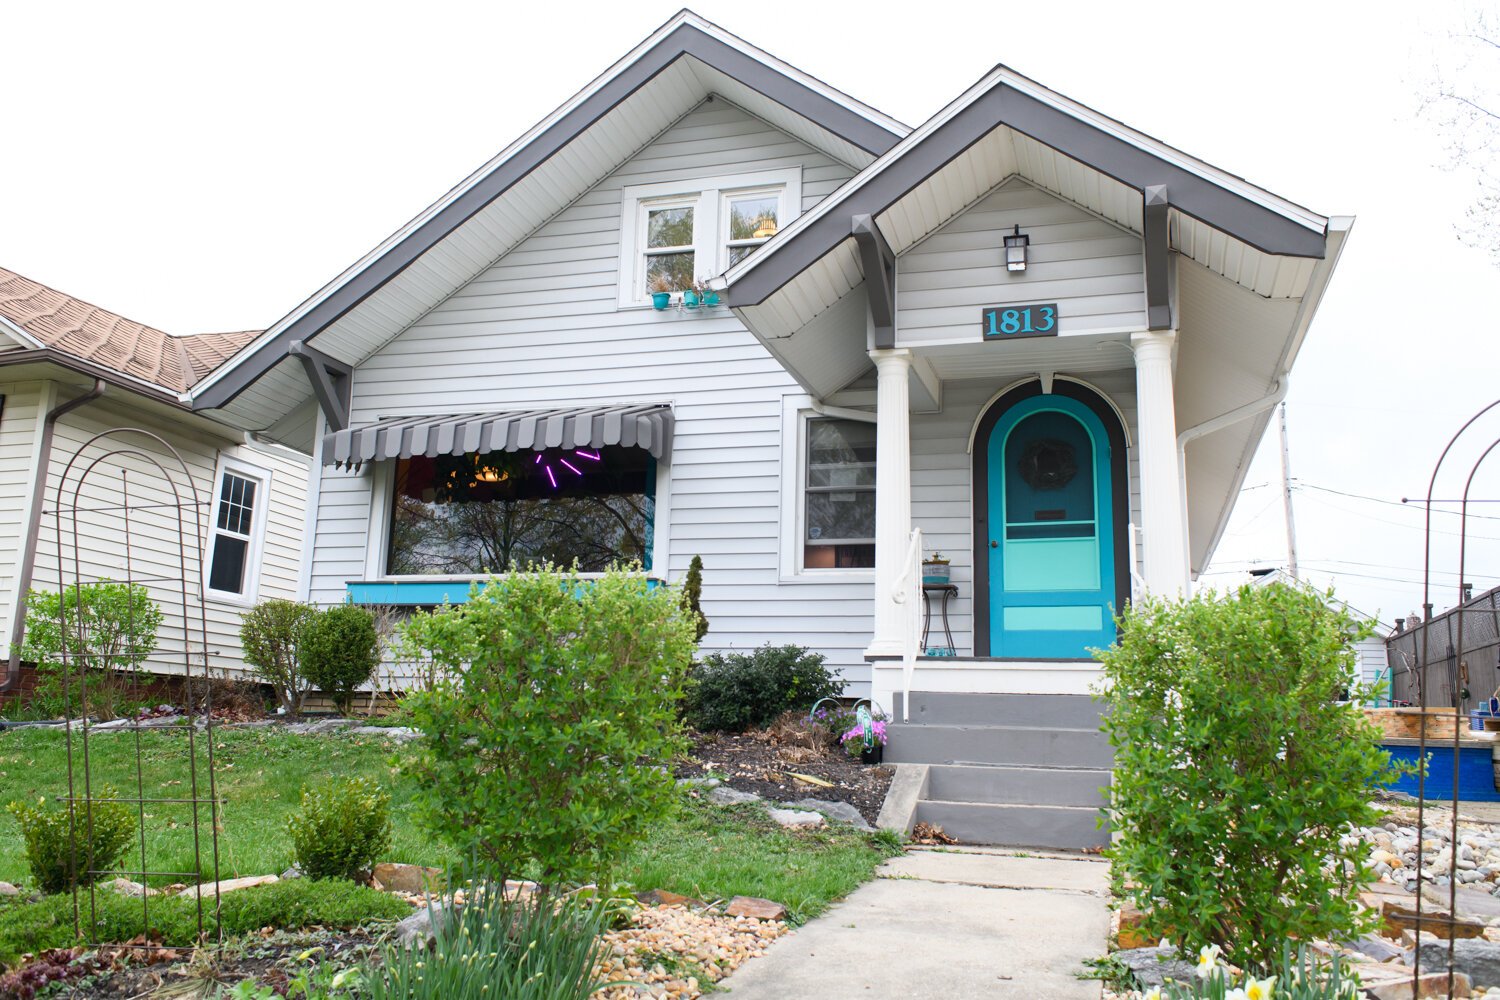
[690, 299]
[660, 300]
[711, 299]
[935, 572]
[871, 755]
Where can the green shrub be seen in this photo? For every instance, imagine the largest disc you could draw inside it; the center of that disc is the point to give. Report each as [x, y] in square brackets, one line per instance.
[63, 851]
[529, 948]
[342, 828]
[107, 630]
[1236, 771]
[546, 741]
[287, 905]
[734, 691]
[692, 597]
[270, 634]
[340, 650]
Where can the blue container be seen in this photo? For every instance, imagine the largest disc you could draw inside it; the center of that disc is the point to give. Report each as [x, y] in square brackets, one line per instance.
[1477, 717]
[1476, 769]
[661, 299]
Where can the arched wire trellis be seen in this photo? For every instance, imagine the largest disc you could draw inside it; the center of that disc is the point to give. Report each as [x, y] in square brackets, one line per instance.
[164, 491]
[1458, 701]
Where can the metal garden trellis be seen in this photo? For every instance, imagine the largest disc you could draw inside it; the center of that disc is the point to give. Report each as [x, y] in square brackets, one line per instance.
[96, 486]
[1423, 687]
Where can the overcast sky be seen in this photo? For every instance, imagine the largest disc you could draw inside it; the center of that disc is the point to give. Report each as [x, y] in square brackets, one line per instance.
[207, 166]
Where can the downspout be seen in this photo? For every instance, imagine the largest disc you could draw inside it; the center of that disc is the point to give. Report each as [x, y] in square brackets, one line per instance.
[34, 529]
[1223, 420]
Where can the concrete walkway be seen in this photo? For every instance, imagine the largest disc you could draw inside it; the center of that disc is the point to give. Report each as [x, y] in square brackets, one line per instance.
[947, 923]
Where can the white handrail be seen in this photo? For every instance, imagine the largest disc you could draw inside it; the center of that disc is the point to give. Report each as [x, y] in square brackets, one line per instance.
[908, 592]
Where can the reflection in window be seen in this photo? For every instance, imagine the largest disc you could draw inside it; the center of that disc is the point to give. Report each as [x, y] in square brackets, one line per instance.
[753, 219]
[500, 511]
[669, 248]
[840, 486]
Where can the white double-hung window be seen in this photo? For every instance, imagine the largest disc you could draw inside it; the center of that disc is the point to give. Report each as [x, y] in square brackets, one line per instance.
[672, 235]
[231, 556]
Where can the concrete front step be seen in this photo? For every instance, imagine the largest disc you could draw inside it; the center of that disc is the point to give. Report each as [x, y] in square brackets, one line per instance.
[1007, 784]
[1060, 827]
[1024, 745]
[1062, 711]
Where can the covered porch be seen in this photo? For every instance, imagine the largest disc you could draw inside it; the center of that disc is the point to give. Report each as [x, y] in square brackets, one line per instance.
[1069, 337]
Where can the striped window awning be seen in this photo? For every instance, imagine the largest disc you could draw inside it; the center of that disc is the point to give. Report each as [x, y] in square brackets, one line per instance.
[632, 425]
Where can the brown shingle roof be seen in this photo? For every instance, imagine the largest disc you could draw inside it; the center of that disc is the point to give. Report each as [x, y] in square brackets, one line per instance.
[72, 326]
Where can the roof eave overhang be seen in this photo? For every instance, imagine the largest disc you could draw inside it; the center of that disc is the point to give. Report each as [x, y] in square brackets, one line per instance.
[1228, 204]
[685, 35]
[47, 355]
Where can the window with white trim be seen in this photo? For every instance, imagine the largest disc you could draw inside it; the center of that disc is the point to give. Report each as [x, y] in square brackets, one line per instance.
[673, 235]
[232, 559]
[838, 488]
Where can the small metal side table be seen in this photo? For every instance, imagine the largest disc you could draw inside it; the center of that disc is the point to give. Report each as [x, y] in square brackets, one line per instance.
[948, 592]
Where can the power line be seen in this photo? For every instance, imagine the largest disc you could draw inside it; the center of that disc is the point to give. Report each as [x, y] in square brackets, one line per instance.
[1393, 503]
[1399, 524]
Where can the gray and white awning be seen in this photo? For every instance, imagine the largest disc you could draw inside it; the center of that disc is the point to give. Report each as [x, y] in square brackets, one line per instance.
[631, 425]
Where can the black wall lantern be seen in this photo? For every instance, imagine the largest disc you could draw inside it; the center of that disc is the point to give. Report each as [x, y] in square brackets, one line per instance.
[1015, 251]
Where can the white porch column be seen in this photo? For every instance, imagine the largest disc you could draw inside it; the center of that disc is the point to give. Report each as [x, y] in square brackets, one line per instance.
[1163, 515]
[892, 493]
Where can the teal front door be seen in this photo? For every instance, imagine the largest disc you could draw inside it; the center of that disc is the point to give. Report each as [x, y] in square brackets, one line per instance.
[1051, 527]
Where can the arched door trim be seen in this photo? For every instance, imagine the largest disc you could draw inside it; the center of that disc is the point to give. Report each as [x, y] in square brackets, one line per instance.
[1114, 427]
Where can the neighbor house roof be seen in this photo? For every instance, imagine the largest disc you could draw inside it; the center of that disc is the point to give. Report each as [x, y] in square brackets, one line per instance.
[678, 66]
[46, 318]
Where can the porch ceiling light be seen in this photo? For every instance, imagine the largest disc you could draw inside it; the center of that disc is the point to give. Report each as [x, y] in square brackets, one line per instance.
[1015, 251]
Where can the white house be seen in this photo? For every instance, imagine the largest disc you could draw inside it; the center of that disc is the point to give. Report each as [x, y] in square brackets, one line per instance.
[1068, 418]
[70, 372]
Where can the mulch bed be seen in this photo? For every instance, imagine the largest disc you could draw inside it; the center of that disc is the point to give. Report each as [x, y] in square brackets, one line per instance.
[760, 762]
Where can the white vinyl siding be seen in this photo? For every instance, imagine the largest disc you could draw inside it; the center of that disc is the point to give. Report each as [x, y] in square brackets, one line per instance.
[20, 438]
[542, 326]
[1092, 269]
[154, 540]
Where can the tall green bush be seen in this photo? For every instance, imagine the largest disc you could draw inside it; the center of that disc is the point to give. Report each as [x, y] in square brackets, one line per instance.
[107, 630]
[63, 851]
[343, 826]
[545, 742]
[1237, 772]
[692, 597]
[734, 691]
[340, 649]
[270, 634]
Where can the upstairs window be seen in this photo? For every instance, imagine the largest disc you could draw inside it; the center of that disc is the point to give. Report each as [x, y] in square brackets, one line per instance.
[685, 233]
[233, 550]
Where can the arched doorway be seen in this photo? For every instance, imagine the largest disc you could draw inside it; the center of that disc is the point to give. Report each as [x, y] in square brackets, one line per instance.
[1050, 518]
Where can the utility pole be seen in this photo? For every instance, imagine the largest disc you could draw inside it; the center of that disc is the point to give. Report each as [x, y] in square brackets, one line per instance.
[1286, 498]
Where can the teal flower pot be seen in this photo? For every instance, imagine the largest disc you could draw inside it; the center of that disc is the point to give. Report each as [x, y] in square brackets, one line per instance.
[711, 300]
[661, 299]
[690, 299]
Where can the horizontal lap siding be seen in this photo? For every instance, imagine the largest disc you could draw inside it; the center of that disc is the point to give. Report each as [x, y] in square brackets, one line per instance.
[20, 425]
[1089, 267]
[942, 485]
[541, 326]
[158, 554]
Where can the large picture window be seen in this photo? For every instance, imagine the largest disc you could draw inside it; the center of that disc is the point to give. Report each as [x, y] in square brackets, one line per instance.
[495, 512]
[839, 486]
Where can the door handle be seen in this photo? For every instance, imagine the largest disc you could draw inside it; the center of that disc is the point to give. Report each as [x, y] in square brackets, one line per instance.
[994, 544]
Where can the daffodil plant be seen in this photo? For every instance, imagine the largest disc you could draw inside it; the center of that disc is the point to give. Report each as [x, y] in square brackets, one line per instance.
[1297, 976]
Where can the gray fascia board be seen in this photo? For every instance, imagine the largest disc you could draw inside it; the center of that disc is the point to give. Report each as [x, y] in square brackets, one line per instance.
[686, 40]
[1004, 106]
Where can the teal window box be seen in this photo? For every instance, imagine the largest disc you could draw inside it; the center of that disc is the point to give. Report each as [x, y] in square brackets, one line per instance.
[418, 593]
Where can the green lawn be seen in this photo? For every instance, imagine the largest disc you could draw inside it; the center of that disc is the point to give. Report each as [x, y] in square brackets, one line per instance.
[706, 851]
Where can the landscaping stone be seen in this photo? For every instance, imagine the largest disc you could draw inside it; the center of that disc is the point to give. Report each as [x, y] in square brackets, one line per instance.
[1130, 935]
[319, 728]
[841, 811]
[6, 889]
[797, 818]
[417, 929]
[709, 783]
[1477, 959]
[715, 943]
[391, 877]
[1154, 966]
[401, 734]
[726, 796]
[753, 906]
[1400, 918]
[230, 885]
[1378, 948]
[125, 887]
[661, 897]
[1429, 985]
[292, 872]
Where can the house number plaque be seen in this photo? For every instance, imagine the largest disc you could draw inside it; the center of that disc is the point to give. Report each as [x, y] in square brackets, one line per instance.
[1015, 322]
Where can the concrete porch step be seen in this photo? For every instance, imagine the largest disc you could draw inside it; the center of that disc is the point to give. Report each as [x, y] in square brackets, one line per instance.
[1065, 711]
[1023, 745]
[1062, 827]
[1011, 784]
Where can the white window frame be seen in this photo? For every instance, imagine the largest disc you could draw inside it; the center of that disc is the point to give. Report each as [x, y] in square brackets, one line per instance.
[796, 412]
[709, 197]
[254, 553]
